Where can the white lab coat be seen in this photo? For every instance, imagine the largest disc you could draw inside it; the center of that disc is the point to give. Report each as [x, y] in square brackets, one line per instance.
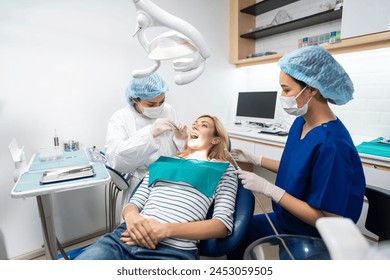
[130, 147]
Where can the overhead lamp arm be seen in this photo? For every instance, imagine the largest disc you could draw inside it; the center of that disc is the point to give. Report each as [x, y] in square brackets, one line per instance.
[148, 15]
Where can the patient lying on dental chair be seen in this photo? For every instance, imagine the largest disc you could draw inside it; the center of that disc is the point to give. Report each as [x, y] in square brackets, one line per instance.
[166, 216]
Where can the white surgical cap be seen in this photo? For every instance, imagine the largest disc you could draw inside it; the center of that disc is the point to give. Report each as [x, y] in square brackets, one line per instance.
[146, 88]
[317, 68]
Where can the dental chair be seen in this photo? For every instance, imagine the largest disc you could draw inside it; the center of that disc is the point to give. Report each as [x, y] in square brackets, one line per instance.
[211, 248]
[245, 204]
[219, 247]
[378, 215]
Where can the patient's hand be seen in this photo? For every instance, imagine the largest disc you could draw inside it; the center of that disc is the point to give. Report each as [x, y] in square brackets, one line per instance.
[139, 232]
[159, 229]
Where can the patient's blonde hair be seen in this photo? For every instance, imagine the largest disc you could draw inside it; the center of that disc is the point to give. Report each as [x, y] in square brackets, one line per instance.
[217, 151]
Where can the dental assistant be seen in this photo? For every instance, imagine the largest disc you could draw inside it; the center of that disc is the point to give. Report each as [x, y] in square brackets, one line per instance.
[144, 130]
[320, 173]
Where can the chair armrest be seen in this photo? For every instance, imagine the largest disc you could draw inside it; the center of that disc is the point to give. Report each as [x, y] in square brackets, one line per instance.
[218, 247]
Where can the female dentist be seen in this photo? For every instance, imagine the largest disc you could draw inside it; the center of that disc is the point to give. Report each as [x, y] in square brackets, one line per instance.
[141, 132]
[320, 173]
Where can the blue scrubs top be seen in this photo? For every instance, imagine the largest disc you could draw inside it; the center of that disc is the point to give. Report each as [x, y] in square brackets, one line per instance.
[324, 169]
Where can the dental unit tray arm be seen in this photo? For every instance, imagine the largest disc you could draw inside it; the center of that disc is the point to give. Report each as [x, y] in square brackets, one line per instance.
[149, 15]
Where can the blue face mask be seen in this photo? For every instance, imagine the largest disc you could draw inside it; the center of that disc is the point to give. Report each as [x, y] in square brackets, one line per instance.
[290, 105]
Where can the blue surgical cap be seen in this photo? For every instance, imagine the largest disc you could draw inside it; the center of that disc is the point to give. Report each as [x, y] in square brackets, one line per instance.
[317, 68]
[146, 88]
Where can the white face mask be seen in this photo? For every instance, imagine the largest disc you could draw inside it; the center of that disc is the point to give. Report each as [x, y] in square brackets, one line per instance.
[290, 105]
[152, 112]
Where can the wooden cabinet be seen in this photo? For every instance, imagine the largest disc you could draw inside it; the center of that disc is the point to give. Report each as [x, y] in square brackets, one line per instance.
[244, 33]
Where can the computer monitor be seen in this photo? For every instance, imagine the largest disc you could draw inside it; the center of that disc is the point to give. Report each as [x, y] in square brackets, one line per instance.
[256, 107]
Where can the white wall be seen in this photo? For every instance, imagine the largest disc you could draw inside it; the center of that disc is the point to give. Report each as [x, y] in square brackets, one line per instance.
[65, 65]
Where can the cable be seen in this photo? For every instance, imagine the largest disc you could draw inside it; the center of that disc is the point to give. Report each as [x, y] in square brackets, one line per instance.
[274, 229]
[265, 212]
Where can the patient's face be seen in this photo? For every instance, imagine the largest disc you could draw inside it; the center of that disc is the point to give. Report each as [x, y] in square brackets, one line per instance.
[201, 134]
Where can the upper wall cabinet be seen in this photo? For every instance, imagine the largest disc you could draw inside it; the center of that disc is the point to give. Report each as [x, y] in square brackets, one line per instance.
[362, 17]
[276, 26]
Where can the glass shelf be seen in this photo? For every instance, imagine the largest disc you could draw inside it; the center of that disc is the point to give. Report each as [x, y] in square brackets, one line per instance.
[265, 6]
[295, 24]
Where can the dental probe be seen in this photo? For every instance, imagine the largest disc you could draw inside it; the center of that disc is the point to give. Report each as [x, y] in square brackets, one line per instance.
[234, 161]
[265, 212]
[179, 129]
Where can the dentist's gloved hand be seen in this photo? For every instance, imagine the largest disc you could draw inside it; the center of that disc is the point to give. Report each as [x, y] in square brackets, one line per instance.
[256, 183]
[245, 156]
[181, 131]
[160, 126]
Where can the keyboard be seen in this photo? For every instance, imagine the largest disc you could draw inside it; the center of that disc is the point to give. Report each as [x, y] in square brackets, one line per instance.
[269, 131]
[276, 131]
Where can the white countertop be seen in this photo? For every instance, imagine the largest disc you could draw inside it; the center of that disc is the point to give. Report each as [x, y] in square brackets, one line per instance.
[254, 135]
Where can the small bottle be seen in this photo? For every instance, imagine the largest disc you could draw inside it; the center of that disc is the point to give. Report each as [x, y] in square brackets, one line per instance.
[332, 38]
[305, 42]
[56, 140]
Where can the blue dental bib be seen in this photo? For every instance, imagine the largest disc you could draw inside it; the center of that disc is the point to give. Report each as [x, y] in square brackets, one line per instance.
[201, 174]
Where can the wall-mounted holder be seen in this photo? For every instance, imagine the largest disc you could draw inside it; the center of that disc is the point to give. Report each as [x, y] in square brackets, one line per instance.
[18, 157]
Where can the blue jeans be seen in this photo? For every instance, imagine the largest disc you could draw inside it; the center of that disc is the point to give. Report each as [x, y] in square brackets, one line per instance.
[110, 247]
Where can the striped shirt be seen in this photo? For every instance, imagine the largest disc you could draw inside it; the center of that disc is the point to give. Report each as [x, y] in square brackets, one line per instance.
[178, 202]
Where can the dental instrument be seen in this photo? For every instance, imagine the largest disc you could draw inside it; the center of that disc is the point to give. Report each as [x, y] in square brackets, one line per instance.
[56, 140]
[182, 41]
[234, 161]
[264, 211]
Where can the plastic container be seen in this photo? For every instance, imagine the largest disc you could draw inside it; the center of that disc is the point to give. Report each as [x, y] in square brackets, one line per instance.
[46, 154]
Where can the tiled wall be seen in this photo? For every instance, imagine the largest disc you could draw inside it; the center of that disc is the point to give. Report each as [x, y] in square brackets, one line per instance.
[368, 114]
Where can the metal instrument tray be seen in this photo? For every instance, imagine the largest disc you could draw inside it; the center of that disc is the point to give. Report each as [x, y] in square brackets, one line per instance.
[66, 174]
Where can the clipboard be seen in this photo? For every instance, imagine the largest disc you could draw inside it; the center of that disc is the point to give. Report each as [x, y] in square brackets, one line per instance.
[67, 174]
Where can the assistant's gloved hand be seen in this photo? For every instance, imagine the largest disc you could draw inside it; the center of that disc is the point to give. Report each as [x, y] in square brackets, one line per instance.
[160, 126]
[245, 156]
[256, 183]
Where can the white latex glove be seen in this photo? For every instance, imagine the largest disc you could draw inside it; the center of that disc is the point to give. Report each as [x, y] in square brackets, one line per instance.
[181, 131]
[160, 126]
[245, 156]
[256, 183]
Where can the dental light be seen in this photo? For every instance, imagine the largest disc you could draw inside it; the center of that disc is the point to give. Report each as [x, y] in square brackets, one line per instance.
[184, 44]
